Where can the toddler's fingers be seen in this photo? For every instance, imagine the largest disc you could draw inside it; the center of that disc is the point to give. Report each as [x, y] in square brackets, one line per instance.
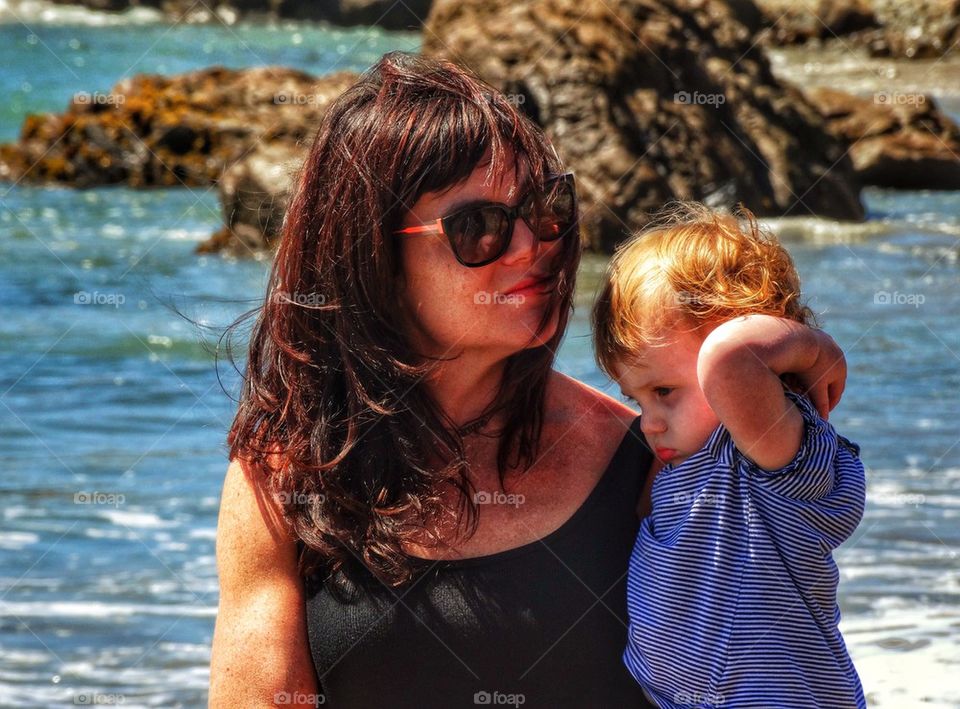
[821, 400]
[835, 392]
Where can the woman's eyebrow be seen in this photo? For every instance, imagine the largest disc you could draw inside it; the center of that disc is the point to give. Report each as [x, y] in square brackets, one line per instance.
[471, 203]
[467, 203]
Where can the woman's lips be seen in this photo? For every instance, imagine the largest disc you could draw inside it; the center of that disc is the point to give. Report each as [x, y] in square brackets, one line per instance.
[530, 286]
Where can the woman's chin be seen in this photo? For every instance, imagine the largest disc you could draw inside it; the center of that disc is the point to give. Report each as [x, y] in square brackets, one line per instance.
[524, 334]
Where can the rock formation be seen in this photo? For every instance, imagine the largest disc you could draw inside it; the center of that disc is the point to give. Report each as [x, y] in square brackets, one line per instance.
[153, 130]
[650, 101]
[896, 140]
[890, 28]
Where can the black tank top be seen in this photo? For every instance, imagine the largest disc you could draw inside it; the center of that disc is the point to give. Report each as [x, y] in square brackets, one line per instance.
[546, 620]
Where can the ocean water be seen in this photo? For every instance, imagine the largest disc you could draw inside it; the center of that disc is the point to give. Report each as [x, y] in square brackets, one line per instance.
[112, 417]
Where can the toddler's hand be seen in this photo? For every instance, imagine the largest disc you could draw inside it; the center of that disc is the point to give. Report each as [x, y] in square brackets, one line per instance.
[824, 381]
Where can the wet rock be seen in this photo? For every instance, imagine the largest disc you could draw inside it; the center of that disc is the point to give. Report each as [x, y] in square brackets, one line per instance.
[182, 130]
[896, 140]
[653, 100]
[789, 22]
[915, 29]
[253, 196]
[889, 28]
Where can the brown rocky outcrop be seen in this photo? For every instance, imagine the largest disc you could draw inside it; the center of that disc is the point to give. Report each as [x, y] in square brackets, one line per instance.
[253, 196]
[650, 101]
[790, 22]
[890, 28]
[896, 140]
[169, 130]
[915, 29]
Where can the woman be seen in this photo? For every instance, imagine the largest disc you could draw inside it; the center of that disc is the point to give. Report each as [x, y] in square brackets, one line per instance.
[419, 510]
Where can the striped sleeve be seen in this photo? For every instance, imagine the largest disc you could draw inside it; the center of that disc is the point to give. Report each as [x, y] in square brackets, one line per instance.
[818, 494]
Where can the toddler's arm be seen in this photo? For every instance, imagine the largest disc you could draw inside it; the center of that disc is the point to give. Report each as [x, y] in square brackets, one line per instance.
[739, 369]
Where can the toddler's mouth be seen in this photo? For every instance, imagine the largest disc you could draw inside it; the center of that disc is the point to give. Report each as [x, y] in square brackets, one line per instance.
[665, 454]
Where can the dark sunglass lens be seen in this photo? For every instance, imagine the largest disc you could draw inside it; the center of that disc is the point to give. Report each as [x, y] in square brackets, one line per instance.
[554, 216]
[478, 234]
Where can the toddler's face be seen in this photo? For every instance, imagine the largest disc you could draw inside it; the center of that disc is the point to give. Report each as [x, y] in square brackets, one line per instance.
[677, 420]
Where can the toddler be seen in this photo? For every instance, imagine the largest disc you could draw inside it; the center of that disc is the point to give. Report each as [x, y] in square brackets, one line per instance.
[732, 586]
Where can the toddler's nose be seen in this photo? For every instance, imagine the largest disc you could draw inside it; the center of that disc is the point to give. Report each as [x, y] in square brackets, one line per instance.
[650, 424]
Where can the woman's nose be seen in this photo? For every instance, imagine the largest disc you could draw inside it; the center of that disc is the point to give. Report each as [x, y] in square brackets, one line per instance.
[524, 244]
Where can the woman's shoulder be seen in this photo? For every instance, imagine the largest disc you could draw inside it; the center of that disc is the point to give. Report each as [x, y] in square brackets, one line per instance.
[248, 495]
[570, 399]
[589, 416]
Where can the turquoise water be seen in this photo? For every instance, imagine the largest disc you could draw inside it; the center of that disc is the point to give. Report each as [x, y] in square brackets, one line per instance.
[112, 419]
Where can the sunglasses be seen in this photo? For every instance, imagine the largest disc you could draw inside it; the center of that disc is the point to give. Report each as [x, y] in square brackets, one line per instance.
[481, 234]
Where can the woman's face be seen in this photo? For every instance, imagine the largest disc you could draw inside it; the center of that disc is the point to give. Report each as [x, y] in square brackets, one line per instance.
[452, 308]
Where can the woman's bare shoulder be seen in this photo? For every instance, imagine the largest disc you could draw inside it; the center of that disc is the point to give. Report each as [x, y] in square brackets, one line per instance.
[572, 393]
[571, 398]
[247, 497]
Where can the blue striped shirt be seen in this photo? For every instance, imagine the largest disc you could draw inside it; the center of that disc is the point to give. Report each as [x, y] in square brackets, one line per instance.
[732, 588]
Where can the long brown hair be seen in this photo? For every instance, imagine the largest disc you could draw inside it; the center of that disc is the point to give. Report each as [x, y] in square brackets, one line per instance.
[333, 387]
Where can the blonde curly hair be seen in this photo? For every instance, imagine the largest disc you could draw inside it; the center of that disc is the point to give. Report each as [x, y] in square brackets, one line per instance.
[691, 267]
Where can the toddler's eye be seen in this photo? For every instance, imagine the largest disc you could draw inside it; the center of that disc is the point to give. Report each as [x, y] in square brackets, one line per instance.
[662, 391]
